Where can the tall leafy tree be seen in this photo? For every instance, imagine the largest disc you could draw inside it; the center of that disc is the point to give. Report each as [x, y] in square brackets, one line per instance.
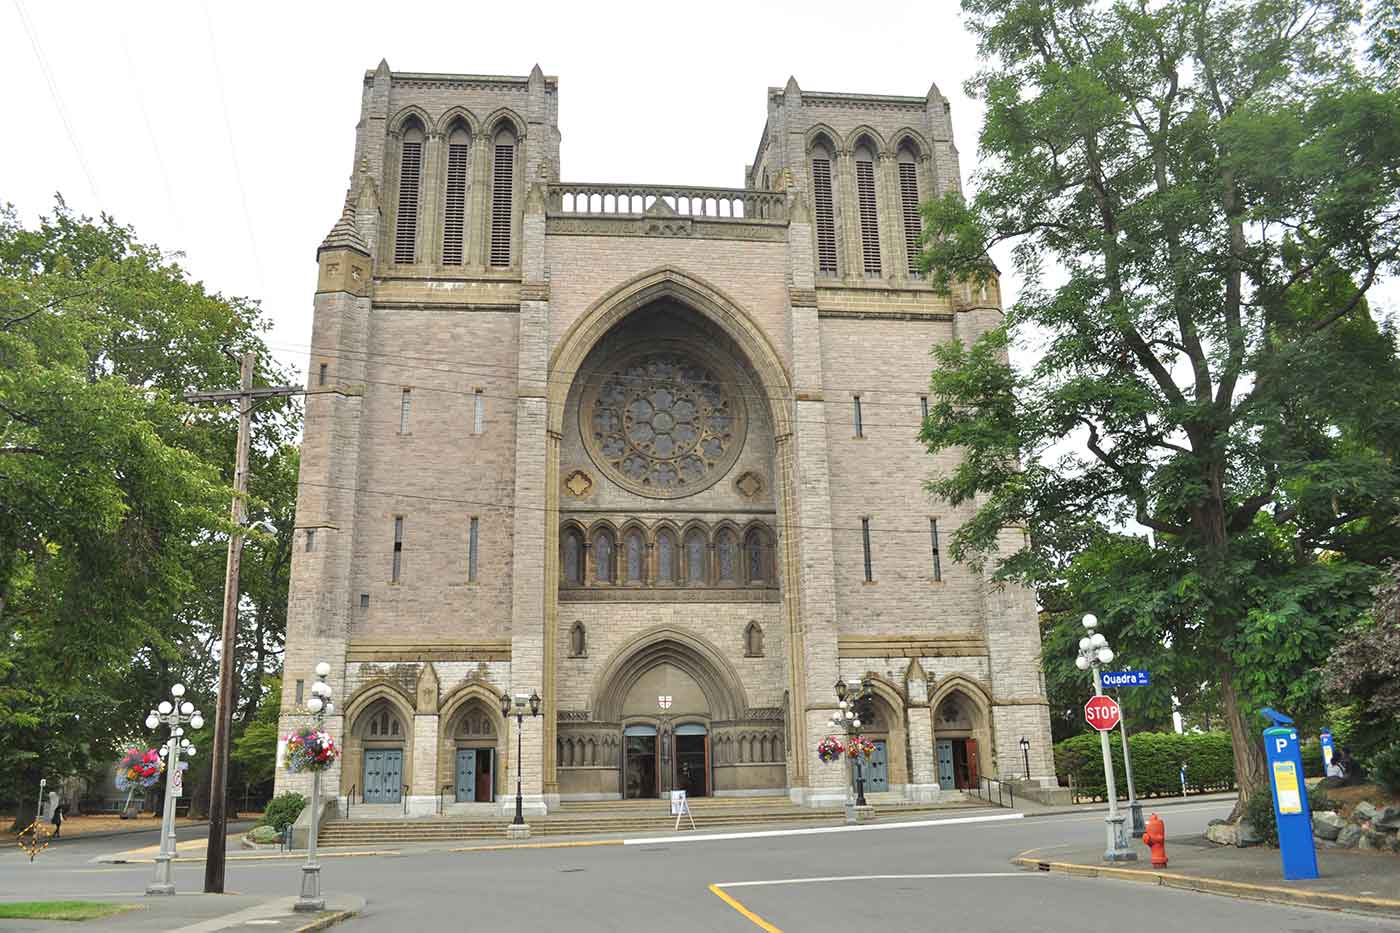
[1216, 186]
[114, 493]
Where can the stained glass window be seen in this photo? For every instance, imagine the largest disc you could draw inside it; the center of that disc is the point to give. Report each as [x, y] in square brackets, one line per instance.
[695, 558]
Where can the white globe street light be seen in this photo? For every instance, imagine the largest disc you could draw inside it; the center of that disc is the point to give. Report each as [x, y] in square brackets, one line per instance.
[174, 715]
[1094, 651]
[323, 669]
[1091, 621]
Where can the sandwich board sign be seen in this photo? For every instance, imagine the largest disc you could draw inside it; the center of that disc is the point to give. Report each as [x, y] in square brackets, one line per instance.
[680, 806]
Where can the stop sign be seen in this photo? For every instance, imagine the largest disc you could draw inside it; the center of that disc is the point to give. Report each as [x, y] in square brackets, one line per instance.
[1102, 713]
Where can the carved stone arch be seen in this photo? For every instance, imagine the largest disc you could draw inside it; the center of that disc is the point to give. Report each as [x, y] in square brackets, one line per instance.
[630, 528]
[821, 133]
[658, 530]
[727, 530]
[399, 121]
[459, 699]
[759, 533]
[453, 116]
[868, 133]
[504, 117]
[379, 689]
[753, 640]
[696, 529]
[910, 138]
[578, 640]
[960, 683]
[695, 656]
[699, 296]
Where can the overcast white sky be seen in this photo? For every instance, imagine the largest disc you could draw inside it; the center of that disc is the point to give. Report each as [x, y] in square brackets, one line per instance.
[153, 92]
[226, 131]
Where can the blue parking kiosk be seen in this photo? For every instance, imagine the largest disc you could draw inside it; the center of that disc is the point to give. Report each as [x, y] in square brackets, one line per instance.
[1325, 740]
[1295, 835]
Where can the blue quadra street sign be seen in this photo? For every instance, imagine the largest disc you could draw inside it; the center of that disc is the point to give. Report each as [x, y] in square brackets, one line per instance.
[1325, 740]
[1295, 836]
[1126, 678]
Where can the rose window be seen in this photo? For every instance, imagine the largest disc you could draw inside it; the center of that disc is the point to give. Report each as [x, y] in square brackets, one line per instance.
[663, 424]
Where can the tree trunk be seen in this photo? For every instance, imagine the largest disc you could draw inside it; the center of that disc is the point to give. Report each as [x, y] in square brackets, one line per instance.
[1250, 771]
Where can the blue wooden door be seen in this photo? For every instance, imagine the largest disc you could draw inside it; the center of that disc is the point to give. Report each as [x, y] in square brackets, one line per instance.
[383, 770]
[945, 764]
[877, 770]
[466, 774]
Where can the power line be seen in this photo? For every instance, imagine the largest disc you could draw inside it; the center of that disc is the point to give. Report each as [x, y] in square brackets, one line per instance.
[233, 146]
[512, 507]
[58, 100]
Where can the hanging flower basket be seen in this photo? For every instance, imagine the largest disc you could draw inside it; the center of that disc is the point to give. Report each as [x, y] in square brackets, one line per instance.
[139, 768]
[310, 750]
[859, 745]
[830, 749]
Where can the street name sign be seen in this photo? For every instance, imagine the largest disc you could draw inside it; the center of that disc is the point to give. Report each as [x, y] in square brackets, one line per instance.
[1102, 713]
[1127, 678]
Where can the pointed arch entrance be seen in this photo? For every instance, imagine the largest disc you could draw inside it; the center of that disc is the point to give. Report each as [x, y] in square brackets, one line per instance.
[751, 348]
[667, 690]
[961, 733]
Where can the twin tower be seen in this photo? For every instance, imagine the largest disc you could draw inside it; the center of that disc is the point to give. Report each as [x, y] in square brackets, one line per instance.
[648, 452]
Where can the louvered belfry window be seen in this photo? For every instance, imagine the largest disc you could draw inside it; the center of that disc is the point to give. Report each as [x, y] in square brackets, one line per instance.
[455, 206]
[869, 221]
[502, 190]
[909, 201]
[826, 217]
[410, 181]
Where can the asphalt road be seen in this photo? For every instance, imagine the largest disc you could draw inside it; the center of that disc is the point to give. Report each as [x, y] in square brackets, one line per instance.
[954, 876]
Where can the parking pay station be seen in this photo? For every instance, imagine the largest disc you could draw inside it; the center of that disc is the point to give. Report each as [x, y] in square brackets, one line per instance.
[1295, 834]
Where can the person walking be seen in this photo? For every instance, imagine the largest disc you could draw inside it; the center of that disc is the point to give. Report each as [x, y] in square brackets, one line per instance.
[57, 819]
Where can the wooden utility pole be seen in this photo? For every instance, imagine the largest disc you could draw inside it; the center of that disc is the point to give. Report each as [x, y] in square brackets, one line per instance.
[243, 397]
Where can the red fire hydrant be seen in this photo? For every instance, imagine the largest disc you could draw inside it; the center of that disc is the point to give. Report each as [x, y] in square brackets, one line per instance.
[1156, 839]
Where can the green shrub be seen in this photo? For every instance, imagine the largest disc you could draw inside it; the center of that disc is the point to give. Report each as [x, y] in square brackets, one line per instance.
[1157, 758]
[283, 810]
[1259, 811]
[1385, 768]
[264, 834]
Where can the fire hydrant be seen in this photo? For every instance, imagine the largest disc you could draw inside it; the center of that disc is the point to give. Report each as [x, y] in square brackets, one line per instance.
[1156, 839]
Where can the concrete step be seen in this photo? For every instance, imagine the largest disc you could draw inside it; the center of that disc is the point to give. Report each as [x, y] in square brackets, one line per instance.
[580, 822]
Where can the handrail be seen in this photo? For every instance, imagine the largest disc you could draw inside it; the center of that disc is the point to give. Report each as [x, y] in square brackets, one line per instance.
[1005, 793]
[699, 203]
[350, 800]
[404, 797]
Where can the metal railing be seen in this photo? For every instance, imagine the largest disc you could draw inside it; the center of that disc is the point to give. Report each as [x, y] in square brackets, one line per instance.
[404, 797]
[998, 792]
[621, 200]
[350, 800]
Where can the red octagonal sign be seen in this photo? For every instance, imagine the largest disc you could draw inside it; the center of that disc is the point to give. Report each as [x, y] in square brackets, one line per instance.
[1102, 713]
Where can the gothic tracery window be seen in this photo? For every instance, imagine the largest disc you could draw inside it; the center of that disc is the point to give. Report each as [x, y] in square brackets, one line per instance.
[603, 552]
[572, 546]
[726, 557]
[665, 556]
[636, 553]
[695, 548]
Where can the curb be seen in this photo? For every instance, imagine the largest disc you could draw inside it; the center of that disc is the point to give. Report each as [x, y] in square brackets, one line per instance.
[1262, 892]
[1156, 803]
[330, 920]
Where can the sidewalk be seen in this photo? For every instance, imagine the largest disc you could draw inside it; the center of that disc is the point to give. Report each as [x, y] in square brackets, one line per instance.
[202, 913]
[1032, 808]
[1350, 880]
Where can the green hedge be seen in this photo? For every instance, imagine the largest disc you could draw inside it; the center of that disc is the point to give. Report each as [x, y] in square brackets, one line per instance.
[1157, 758]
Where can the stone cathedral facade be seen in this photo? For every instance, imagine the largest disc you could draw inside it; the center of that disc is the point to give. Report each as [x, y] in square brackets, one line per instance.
[646, 451]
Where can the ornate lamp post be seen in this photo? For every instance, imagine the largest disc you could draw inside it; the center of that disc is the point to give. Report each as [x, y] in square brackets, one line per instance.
[519, 703]
[1093, 652]
[1026, 754]
[853, 704]
[320, 706]
[174, 715]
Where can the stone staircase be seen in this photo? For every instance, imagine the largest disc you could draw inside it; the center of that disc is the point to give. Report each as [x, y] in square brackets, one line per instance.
[621, 816]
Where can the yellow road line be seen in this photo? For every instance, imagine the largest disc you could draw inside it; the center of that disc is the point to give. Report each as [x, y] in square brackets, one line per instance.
[539, 845]
[748, 915]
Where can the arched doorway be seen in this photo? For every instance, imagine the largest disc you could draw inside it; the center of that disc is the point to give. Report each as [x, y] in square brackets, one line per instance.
[961, 737]
[474, 738]
[668, 691]
[381, 737]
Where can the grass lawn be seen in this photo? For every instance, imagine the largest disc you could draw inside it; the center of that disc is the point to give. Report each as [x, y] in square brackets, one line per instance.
[61, 910]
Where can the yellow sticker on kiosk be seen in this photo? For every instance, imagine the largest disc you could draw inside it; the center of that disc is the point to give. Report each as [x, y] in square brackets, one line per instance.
[1286, 787]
